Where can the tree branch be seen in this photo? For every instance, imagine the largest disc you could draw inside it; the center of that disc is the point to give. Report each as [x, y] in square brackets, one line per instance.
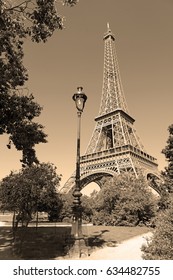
[22, 9]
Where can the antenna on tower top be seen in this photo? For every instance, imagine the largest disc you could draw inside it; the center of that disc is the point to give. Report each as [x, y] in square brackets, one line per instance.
[109, 33]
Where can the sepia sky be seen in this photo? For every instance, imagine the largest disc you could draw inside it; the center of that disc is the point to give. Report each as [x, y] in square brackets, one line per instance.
[74, 57]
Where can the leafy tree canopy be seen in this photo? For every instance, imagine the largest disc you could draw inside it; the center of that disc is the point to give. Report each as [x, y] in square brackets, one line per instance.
[124, 200]
[30, 190]
[21, 19]
[168, 152]
[160, 246]
[66, 210]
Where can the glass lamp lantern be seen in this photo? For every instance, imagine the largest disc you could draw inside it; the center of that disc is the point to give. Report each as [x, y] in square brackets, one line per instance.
[80, 99]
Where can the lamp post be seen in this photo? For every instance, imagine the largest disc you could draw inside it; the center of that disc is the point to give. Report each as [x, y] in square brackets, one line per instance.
[80, 99]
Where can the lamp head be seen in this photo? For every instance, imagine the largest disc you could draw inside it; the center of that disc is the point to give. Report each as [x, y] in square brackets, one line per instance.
[80, 99]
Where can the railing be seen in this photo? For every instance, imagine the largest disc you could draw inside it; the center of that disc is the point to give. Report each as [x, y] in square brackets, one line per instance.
[118, 151]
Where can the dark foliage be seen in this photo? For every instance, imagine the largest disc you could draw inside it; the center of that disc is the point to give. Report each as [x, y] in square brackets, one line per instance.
[160, 247]
[30, 190]
[124, 201]
[168, 152]
[21, 19]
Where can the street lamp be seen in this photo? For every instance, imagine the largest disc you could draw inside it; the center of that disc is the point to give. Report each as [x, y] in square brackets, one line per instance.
[80, 99]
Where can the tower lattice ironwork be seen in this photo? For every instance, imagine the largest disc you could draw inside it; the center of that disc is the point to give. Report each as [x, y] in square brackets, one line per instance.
[114, 146]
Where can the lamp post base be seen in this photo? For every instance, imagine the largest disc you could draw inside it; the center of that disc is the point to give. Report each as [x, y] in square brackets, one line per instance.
[78, 242]
[79, 248]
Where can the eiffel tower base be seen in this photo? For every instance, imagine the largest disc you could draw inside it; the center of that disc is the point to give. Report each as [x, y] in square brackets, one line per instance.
[79, 248]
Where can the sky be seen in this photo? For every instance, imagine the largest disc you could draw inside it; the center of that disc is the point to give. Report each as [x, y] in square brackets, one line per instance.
[74, 57]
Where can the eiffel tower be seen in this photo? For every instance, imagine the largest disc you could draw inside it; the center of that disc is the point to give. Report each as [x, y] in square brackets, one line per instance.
[114, 146]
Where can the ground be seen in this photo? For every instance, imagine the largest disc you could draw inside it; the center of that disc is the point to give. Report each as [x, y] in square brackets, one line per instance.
[127, 250]
[52, 241]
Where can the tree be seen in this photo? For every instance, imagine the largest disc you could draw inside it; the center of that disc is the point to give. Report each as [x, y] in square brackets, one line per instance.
[30, 190]
[17, 113]
[160, 247]
[66, 210]
[168, 152]
[124, 200]
[87, 207]
[21, 19]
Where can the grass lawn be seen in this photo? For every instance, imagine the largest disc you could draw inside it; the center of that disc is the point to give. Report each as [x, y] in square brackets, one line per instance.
[115, 234]
[53, 241]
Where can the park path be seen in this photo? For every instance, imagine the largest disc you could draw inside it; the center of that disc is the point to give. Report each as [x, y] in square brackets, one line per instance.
[127, 250]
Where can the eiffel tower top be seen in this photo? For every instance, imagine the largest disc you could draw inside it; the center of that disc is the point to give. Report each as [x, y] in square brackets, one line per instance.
[112, 91]
[109, 33]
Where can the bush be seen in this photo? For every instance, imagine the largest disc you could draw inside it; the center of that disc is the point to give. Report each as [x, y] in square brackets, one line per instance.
[99, 219]
[160, 246]
[124, 201]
